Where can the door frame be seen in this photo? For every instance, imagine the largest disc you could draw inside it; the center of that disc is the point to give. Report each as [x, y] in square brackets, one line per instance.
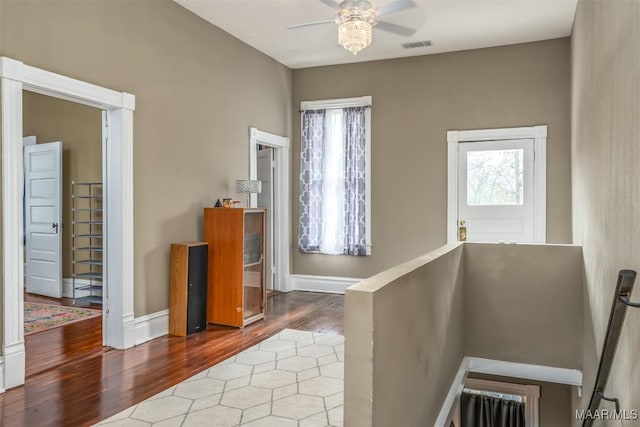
[119, 331]
[270, 213]
[281, 198]
[539, 136]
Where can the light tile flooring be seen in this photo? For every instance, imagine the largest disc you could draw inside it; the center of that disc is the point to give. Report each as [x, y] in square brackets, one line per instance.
[294, 378]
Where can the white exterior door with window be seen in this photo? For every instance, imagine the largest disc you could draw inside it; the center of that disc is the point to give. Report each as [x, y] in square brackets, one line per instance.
[497, 185]
[43, 219]
[495, 197]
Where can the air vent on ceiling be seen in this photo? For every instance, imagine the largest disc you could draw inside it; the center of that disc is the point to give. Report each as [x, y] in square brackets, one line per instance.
[413, 45]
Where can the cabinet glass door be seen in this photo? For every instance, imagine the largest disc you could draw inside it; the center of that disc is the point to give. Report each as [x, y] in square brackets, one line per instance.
[253, 277]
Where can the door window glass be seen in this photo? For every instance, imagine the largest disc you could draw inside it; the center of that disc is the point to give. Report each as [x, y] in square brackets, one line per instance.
[495, 177]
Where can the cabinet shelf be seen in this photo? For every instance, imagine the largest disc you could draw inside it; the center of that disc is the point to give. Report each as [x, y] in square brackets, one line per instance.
[91, 299]
[88, 261]
[89, 275]
[236, 291]
[87, 240]
[88, 248]
[252, 264]
[89, 288]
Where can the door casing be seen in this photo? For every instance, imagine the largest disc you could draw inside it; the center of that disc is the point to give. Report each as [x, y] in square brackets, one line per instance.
[281, 199]
[119, 330]
[538, 134]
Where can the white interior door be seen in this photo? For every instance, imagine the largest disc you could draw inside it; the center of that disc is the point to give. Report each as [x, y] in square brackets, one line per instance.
[43, 218]
[495, 190]
[265, 169]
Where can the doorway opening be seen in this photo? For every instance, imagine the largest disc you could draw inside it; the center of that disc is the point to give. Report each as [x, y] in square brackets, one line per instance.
[63, 231]
[265, 174]
[496, 187]
[269, 159]
[117, 176]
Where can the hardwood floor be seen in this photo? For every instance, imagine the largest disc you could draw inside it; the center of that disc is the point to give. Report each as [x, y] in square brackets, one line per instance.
[49, 349]
[89, 390]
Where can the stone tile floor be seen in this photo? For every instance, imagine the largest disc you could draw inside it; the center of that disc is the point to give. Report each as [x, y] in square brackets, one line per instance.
[294, 378]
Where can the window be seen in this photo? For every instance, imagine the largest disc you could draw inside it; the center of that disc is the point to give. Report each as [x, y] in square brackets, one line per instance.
[335, 190]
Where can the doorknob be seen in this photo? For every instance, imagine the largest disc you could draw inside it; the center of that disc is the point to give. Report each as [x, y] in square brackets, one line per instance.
[55, 226]
[462, 231]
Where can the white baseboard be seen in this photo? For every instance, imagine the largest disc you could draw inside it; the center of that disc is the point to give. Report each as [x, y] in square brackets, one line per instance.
[151, 326]
[327, 284]
[13, 365]
[501, 368]
[2, 389]
[526, 371]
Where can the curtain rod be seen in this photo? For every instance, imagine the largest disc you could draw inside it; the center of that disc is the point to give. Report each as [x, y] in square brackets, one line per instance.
[318, 109]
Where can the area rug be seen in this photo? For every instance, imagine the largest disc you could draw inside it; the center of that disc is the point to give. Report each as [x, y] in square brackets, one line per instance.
[294, 378]
[41, 317]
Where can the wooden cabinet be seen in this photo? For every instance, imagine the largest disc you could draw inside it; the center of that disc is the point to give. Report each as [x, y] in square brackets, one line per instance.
[237, 274]
[188, 288]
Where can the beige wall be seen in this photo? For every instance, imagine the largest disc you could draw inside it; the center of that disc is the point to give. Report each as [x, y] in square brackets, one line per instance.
[408, 328]
[404, 341]
[80, 129]
[415, 101]
[606, 193]
[554, 405]
[198, 90]
[522, 303]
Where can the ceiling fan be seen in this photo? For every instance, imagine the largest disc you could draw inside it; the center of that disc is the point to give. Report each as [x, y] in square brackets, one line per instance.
[356, 18]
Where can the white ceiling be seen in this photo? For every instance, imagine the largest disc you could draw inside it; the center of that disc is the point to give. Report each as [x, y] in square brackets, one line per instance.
[451, 25]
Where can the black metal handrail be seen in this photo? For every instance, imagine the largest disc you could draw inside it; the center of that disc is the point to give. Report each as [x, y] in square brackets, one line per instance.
[626, 279]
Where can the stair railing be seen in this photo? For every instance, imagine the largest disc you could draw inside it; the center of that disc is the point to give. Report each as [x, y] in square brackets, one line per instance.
[621, 300]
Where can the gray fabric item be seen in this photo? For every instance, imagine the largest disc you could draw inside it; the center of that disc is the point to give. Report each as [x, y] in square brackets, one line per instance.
[355, 181]
[487, 411]
[312, 167]
[311, 180]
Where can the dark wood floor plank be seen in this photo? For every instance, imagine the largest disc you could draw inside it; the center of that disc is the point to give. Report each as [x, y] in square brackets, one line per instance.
[48, 349]
[99, 384]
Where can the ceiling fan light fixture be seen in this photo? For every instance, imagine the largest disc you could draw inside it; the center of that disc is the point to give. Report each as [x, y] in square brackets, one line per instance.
[354, 35]
[354, 25]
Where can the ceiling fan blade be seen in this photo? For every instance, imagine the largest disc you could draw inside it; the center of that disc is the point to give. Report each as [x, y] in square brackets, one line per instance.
[309, 24]
[395, 29]
[394, 6]
[333, 5]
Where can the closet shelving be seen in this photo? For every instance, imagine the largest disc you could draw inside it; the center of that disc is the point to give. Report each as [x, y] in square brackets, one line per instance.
[87, 241]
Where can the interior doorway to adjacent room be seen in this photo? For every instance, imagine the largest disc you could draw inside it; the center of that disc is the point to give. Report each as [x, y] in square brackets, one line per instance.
[269, 162]
[265, 172]
[118, 320]
[63, 230]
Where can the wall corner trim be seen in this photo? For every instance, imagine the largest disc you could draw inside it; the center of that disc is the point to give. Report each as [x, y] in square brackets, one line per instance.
[151, 326]
[326, 284]
[449, 405]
